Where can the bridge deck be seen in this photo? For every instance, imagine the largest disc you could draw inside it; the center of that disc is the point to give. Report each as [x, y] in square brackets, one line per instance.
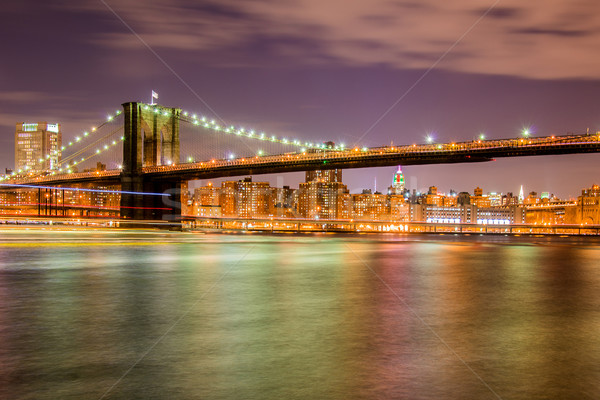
[461, 152]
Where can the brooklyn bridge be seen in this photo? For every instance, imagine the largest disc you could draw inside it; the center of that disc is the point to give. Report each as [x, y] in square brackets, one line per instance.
[148, 153]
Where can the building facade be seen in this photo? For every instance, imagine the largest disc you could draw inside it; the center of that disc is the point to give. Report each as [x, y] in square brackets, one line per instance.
[588, 207]
[37, 146]
[205, 201]
[324, 196]
[370, 206]
[247, 199]
[467, 214]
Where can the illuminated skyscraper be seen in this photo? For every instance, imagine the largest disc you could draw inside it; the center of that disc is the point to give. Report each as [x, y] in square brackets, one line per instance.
[521, 195]
[398, 184]
[37, 146]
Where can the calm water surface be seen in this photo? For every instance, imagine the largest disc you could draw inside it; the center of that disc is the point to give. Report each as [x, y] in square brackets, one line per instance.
[151, 315]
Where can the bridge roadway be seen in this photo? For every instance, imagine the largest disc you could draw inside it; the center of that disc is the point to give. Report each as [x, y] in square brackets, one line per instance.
[460, 152]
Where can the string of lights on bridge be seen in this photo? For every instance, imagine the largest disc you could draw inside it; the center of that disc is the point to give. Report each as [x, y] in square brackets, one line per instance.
[204, 122]
[79, 139]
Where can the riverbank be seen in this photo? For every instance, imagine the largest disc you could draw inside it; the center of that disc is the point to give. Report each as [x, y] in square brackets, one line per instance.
[299, 226]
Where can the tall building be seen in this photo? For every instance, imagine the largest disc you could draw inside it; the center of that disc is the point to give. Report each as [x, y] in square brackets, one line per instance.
[399, 208]
[254, 199]
[398, 184]
[37, 146]
[521, 195]
[206, 201]
[284, 202]
[323, 195]
[247, 199]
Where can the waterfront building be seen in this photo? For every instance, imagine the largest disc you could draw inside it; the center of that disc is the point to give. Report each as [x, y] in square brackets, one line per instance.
[370, 206]
[19, 202]
[466, 214]
[399, 208]
[205, 201]
[499, 215]
[37, 146]
[554, 212]
[437, 214]
[100, 201]
[588, 206]
[323, 195]
[246, 199]
[227, 199]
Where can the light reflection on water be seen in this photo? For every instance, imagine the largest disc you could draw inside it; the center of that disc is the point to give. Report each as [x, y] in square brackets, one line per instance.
[313, 316]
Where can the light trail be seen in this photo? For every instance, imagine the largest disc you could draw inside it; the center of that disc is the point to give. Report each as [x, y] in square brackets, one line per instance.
[17, 185]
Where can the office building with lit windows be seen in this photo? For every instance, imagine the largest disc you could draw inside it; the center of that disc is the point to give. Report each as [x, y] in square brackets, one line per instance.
[247, 199]
[205, 201]
[324, 196]
[37, 146]
[370, 206]
[467, 214]
[399, 208]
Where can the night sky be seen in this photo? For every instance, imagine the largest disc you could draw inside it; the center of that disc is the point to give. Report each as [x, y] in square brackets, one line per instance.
[365, 72]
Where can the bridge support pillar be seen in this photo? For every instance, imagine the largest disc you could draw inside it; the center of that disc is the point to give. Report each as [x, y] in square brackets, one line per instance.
[145, 199]
[151, 138]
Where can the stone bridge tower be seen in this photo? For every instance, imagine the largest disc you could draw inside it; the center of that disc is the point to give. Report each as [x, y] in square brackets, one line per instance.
[151, 138]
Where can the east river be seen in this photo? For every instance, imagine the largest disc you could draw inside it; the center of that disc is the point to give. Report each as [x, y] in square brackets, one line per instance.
[162, 315]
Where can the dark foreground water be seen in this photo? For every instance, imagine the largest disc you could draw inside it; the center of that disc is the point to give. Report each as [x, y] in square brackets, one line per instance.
[133, 315]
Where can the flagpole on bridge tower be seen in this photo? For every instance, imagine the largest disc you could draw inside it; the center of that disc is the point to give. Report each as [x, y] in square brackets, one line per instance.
[154, 96]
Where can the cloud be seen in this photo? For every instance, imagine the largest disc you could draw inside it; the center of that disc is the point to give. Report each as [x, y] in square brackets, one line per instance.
[24, 96]
[554, 32]
[548, 39]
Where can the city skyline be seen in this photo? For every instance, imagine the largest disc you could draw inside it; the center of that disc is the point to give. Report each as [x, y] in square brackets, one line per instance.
[322, 77]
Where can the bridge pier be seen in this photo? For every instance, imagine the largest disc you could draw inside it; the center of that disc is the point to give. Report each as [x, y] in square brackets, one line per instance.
[140, 202]
[151, 138]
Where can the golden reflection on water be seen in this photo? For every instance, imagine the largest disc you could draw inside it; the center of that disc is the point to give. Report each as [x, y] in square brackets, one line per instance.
[262, 317]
